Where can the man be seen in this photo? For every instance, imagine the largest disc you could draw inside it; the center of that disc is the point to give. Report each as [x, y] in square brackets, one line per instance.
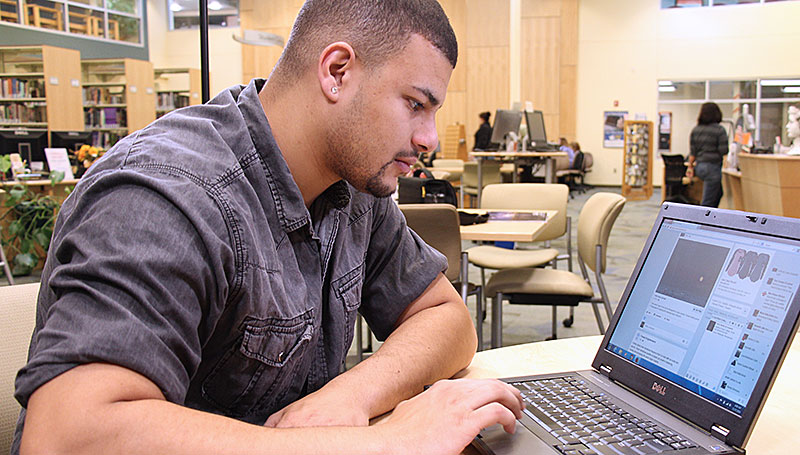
[202, 286]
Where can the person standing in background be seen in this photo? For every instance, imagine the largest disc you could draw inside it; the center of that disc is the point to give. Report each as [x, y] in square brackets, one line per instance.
[708, 145]
[484, 134]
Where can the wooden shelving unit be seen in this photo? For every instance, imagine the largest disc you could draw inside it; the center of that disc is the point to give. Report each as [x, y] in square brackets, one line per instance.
[637, 160]
[176, 88]
[40, 88]
[118, 98]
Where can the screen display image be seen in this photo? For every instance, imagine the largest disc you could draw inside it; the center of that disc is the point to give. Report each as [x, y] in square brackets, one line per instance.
[706, 308]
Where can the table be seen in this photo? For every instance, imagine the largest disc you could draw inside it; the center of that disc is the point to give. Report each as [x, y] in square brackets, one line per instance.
[776, 431]
[518, 158]
[506, 231]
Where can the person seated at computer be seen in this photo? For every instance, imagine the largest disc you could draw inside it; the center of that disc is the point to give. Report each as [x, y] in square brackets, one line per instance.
[484, 134]
[564, 147]
[576, 148]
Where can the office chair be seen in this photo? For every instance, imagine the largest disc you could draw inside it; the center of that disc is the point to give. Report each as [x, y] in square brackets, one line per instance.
[674, 170]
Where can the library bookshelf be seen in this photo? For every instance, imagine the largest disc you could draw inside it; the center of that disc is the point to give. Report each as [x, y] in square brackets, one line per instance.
[118, 98]
[40, 88]
[176, 88]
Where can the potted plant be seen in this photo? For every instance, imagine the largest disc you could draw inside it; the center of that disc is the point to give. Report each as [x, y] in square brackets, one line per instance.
[30, 216]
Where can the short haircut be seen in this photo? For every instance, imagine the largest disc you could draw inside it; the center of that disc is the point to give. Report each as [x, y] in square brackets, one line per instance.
[709, 113]
[376, 29]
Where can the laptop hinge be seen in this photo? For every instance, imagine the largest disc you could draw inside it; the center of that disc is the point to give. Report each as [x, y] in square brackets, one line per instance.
[605, 369]
[720, 432]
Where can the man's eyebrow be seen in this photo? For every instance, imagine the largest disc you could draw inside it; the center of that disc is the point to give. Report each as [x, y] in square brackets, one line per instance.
[431, 98]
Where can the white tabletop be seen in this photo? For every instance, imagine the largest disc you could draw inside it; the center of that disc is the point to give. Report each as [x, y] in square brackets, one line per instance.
[506, 231]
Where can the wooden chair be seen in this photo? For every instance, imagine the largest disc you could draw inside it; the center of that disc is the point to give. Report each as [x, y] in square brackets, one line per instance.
[536, 286]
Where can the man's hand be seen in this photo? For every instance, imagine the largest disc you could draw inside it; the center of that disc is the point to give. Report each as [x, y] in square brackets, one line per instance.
[324, 408]
[445, 418]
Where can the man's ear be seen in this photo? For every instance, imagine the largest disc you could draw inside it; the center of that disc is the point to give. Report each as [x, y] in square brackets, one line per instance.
[336, 63]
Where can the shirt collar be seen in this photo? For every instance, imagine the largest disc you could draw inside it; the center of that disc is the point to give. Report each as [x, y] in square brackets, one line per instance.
[288, 199]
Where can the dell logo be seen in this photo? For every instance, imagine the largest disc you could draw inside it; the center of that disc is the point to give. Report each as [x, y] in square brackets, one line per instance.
[662, 390]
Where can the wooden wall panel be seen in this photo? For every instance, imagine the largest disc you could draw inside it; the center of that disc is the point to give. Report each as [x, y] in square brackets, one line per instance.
[540, 63]
[456, 11]
[453, 111]
[487, 84]
[488, 22]
[258, 61]
[541, 8]
[64, 100]
[568, 100]
[569, 32]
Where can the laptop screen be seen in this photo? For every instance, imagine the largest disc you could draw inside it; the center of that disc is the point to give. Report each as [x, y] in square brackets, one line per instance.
[706, 308]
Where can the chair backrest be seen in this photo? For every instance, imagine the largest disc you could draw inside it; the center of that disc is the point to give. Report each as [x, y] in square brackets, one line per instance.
[531, 196]
[489, 169]
[594, 225]
[674, 168]
[438, 226]
[579, 163]
[17, 318]
[588, 161]
[448, 163]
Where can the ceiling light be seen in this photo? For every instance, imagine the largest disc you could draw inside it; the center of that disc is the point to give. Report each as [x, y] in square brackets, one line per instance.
[794, 89]
[215, 5]
[670, 88]
[779, 82]
[175, 7]
[664, 83]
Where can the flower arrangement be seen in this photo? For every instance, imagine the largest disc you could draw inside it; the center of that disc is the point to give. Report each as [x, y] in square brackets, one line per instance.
[87, 155]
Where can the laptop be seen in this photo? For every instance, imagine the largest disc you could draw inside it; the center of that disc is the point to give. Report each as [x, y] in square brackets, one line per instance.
[691, 352]
[536, 132]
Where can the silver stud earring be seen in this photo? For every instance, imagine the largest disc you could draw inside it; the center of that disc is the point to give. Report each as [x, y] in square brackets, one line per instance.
[334, 90]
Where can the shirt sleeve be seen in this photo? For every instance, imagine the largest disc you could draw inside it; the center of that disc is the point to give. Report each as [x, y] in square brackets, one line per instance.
[693, 146]
[127, 283]
[399, 267]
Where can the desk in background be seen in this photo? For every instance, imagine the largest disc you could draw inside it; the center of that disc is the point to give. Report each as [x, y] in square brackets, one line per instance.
[770, 184]
[775, 433]
[518, 158]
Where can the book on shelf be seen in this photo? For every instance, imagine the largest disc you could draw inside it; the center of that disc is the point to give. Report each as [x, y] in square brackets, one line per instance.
[29, 112]
[102, 95]
[105, 139]
[105, 117]
[21, 88]
[171, 100]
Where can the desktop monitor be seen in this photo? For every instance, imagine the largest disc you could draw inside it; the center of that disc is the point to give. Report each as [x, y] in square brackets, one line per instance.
[505, 121]
[70, 140]
[30, 145]
[536, 131]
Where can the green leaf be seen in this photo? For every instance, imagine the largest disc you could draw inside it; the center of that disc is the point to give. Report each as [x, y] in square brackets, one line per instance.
[26, 245]
[56, 176]
[15, 228]
[5, 163]
[24, 263]
[42, 238]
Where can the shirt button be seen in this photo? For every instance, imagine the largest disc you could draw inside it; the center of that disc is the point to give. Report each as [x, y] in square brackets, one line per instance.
[280, 357]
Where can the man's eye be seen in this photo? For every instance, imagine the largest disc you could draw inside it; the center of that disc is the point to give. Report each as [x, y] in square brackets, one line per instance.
[415, 105]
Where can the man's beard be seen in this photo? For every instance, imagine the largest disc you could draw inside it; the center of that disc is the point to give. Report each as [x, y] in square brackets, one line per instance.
[349, 155]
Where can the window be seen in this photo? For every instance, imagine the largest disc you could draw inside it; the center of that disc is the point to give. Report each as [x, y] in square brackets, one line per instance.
[116, 20]
[185, 13]
[765, 100]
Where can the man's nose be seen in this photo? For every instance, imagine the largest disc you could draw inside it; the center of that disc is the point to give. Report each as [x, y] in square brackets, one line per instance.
[425, 138]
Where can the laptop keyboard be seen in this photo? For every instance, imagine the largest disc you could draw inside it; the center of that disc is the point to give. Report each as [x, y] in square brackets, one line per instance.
[587, 422]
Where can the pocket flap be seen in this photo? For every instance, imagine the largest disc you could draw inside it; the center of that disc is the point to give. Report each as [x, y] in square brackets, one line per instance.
[273, 341]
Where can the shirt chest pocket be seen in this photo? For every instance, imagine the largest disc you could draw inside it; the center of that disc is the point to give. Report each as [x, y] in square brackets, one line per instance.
[347, 290]
[255, 373]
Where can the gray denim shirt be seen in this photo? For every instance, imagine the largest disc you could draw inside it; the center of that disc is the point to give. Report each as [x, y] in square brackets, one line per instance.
[187, 255]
